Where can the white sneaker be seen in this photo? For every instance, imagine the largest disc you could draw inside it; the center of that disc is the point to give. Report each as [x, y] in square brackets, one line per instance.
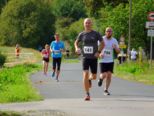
[106, 93]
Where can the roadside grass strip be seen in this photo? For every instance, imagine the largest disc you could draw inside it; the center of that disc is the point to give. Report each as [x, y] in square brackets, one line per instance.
[15, 85]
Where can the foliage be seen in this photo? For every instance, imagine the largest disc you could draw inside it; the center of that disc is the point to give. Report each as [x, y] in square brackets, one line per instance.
[118, 19]
[115, 3]
[15, 85]
[2, 4]
[69, 8]
[93, 6]
[2, 60]
[139, 18]
[28, 23]
[69, 33]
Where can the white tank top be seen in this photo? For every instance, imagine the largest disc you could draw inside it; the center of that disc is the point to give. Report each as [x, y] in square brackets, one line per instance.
[108, 53]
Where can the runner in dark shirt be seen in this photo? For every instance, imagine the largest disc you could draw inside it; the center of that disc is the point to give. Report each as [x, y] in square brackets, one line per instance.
[90, 52]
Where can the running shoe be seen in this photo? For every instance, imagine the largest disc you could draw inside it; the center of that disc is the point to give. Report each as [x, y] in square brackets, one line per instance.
[106, 93]
[45, 74]
[53, 74]
[100, 81]
[90, 84]
[57, 79]
[87, 98]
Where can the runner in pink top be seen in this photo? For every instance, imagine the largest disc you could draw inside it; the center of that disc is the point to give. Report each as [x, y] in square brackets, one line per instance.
[45, 58]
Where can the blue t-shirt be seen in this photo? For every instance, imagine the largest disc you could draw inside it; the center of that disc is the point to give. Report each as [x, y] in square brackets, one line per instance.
[56, 46]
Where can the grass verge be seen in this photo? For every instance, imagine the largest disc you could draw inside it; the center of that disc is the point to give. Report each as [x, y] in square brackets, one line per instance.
[135, 71]
[15, 85]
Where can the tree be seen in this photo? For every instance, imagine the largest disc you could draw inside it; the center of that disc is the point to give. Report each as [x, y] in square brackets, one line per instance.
[118, 18]
[93, 6]
[69, 8]
[2, 4]
[29, 23]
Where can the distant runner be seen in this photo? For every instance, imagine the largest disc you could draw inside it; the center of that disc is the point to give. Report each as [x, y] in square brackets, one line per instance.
[45, 57]
[90, 52]
[17, 50]
[56, 48]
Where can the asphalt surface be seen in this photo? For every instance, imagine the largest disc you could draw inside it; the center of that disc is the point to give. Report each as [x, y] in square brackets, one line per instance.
[65, 98]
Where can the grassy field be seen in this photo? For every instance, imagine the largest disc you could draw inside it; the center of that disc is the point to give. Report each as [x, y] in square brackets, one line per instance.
[136, 71]
[27, 55]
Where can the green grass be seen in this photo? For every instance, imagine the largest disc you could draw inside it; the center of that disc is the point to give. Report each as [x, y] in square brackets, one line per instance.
[135, 71]
[15, 85]
[10, 113]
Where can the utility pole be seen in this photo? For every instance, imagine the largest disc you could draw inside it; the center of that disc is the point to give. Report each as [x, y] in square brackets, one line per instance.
[130, 17]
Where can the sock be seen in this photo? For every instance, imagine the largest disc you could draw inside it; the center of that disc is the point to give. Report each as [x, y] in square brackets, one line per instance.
[88, 94]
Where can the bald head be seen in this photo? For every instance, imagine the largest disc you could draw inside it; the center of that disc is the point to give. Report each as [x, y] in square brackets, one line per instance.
[88, 24]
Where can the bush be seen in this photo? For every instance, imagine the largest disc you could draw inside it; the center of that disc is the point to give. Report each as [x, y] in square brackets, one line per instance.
[2, 59]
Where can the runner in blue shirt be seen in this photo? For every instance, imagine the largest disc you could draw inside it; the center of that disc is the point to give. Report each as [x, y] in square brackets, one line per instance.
[56, 48]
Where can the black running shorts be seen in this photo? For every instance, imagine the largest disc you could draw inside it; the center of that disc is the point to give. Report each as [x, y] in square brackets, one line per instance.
[90, 63]
[105, 67]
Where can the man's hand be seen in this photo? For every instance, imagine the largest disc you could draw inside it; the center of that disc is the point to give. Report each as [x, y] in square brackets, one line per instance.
[96, 55]
[78, 51]
[114, 46]
[101, 55]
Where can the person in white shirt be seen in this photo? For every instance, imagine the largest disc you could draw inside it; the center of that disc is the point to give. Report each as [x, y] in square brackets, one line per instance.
[107, 59]
[133, 54]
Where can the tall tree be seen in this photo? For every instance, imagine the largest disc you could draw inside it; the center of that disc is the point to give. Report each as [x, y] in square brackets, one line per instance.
[28, 23]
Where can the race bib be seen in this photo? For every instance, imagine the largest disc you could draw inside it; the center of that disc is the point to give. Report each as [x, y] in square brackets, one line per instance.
[107, 52]
[88, 50]
[56, 51]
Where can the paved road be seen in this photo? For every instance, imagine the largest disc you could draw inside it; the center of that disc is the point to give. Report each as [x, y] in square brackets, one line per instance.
[70, 85]
[127, 99]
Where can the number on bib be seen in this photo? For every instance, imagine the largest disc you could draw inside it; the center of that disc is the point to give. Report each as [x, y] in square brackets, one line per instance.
[88, 50]
[107, 52]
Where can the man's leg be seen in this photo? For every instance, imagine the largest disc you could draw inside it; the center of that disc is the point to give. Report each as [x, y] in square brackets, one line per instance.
[93, 67]
[85, 80]
[108, 80]
[93, 76]
[54, 66]
[86, 83]
[58, 68]
[109, 75]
